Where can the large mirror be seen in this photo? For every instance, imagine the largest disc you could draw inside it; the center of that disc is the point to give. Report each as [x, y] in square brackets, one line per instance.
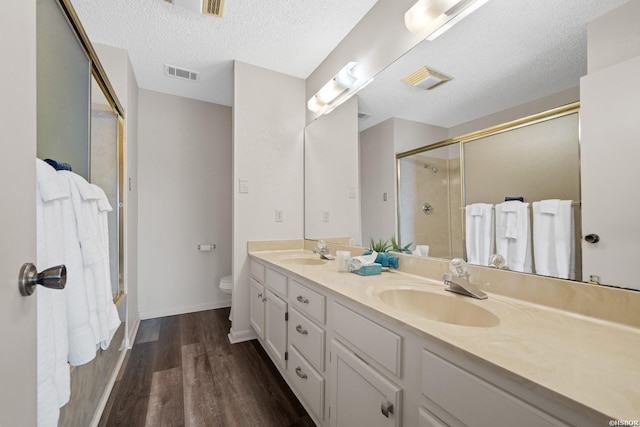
[505, 65]
[519, 165]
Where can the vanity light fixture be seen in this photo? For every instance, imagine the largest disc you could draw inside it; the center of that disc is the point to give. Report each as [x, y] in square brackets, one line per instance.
[426, 78]
[337, 90]
[431, 18]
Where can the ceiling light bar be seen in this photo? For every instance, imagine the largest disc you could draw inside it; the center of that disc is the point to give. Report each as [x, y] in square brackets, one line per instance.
[431, 18]
[337, 90]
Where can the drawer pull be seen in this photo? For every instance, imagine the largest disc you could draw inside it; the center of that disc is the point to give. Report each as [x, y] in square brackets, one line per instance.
[302, 299]
[301, 330]
[259, 296]
[386, 408]
[300, 373]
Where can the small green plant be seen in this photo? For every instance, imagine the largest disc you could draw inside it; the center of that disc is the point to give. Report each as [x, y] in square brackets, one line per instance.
[379, 246]
[396, 248]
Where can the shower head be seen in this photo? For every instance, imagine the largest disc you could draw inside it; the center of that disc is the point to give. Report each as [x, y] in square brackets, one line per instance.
[433, 168]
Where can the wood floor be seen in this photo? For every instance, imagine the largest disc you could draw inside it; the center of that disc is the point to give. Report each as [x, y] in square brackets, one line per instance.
[182, 371]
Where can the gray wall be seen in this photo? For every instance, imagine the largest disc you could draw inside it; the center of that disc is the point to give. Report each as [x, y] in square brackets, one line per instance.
[184, 172]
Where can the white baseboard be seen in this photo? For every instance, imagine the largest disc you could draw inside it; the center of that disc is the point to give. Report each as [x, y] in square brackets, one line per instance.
[182, 310]
[107, 390]
[241, 336]
[131, 336]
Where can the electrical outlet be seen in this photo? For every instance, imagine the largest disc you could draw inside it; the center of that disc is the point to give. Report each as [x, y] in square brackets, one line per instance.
[352, 192]
[325, 216]
[243, 186]
[279, 215]
[385, 197]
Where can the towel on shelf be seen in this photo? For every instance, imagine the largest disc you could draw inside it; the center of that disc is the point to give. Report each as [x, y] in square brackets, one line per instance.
[479, 233]
[554, 238]
[59, 166]
[513, 235]
[92, 208]
[52, 371]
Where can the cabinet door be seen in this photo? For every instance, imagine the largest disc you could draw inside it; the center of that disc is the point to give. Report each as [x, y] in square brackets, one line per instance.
[360, 395]
[427, 419]
[610, 174]
[275, 333]
[256, 307]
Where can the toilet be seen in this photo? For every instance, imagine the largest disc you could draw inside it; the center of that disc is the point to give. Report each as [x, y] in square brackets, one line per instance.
[226, 286]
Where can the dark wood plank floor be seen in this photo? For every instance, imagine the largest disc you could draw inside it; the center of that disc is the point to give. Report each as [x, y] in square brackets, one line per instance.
[182, 371]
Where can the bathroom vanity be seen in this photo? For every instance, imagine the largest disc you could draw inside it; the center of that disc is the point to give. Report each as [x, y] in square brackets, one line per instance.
[398, 350]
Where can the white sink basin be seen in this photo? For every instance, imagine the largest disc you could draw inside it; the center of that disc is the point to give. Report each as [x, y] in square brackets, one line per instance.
[300, 260]
[446, 308]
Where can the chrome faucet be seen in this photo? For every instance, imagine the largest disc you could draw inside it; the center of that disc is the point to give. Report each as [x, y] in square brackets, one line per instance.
[321, 249]
[460, 282]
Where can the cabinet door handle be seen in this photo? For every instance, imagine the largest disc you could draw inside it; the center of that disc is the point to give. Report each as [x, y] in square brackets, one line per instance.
[259, 296]
[300, 373]
[301, 330]
[386, 408]
[302, 299]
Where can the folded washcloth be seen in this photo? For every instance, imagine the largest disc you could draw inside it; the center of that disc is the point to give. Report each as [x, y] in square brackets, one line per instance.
[387, 260]
[549, 206]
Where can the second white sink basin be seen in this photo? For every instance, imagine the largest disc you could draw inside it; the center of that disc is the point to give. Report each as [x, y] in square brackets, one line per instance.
[452, 309]
[303, 261]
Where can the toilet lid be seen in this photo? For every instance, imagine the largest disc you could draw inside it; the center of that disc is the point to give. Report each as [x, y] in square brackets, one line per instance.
[226, 282]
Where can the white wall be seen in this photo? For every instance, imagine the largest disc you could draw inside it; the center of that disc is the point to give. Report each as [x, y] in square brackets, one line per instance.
[116, 64]
[184, 184]
[268, 125]
[377, 176]
[408, 134]
[613, 37]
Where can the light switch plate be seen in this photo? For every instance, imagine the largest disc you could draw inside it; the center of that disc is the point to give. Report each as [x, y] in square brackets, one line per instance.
[243, 186]
[279, 215]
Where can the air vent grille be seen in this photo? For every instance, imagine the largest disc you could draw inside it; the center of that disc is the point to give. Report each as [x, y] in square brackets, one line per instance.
[212, 7]
[363, 116]
[426, 78]
[181, 73]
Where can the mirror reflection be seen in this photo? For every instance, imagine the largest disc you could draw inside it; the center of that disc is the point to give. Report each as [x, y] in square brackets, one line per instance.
[506, 175]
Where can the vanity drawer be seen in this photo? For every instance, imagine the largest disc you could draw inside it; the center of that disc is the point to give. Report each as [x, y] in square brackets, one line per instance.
[307, 381]
[307, 301]
[374, 340]
[277, 282]
[257, 271]
[474, 401]
[307, 338]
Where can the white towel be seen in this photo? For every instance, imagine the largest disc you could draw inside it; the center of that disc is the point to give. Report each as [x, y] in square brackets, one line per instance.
[479, 233]
[513, 236]
[52, 204]
[81, 301]
[554, 238]
[92, 207]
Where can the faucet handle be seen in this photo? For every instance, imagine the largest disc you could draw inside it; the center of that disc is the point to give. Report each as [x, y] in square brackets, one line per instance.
[458, 266]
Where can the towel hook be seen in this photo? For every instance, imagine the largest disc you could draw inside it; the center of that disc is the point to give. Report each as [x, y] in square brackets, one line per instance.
[52, 278]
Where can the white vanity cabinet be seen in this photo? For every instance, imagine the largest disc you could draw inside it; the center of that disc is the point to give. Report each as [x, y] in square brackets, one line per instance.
[256, 307]
[307, 345]
[471, 401]
[268, 310]
[352, 366]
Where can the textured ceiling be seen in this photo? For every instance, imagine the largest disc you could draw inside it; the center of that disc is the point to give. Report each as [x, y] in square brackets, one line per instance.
[288, 36]
[506, 53]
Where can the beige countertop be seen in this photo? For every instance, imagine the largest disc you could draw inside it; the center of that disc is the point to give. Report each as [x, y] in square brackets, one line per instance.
[590, 362]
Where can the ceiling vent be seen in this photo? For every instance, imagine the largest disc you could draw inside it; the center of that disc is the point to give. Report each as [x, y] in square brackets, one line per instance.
[181, 73]
[363, 116]
[426, 78]
[207, 7]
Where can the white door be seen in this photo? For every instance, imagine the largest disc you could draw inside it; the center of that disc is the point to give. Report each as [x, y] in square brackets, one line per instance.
[17, 211]
[275, 328]
[256, 307]
[610, 147]
[360, 395]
